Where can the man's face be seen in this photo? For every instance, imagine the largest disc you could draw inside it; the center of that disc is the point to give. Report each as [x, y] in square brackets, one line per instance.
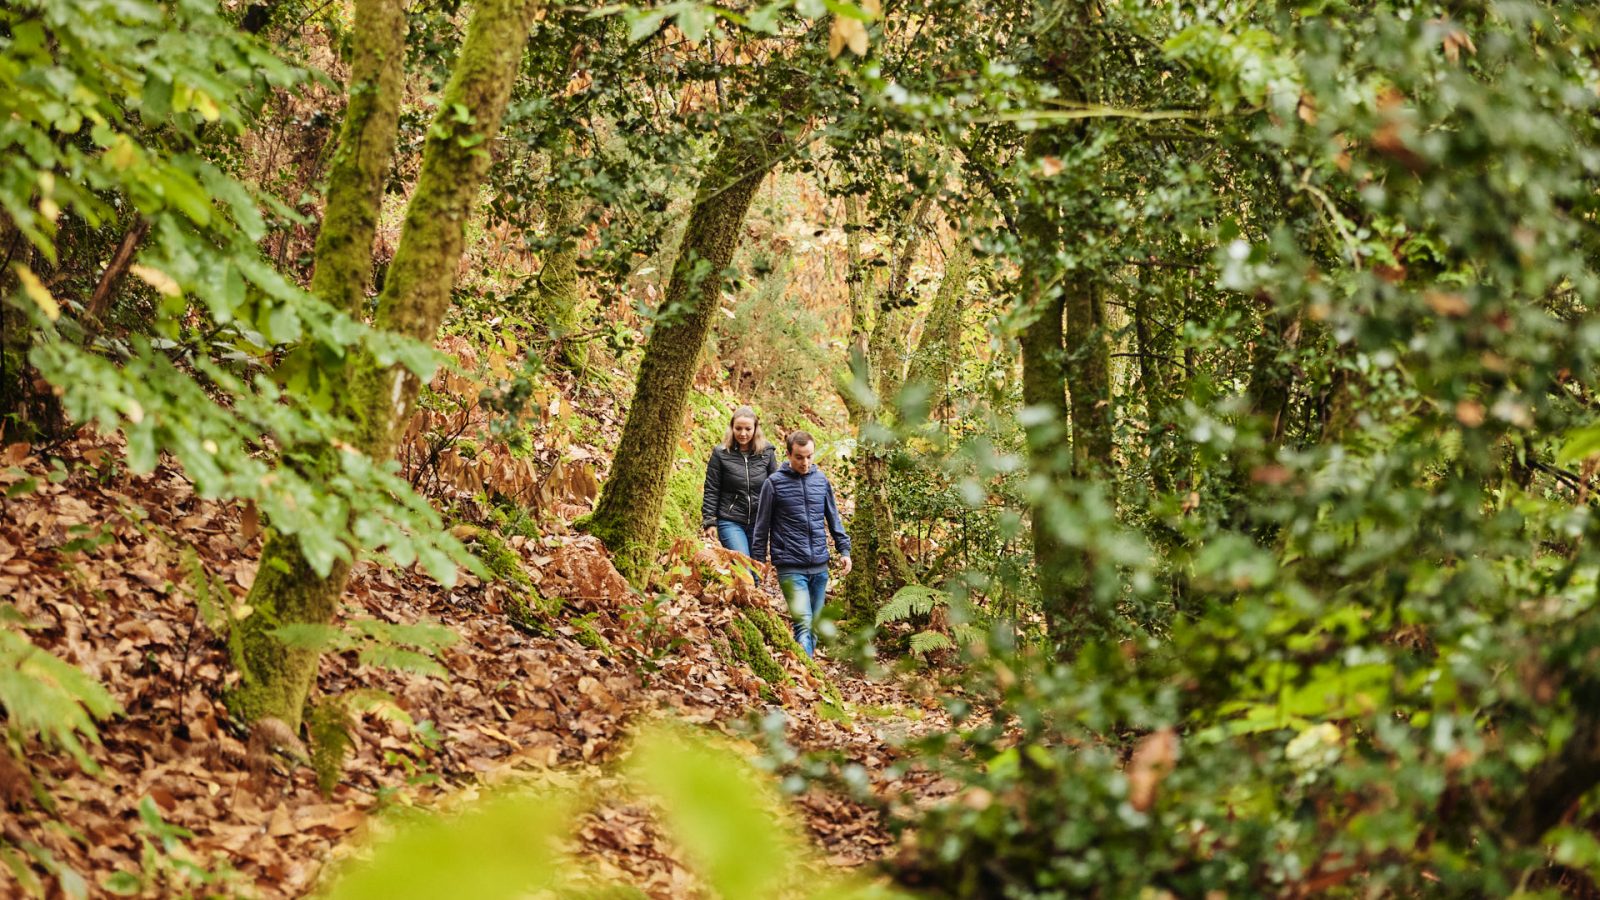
[744, 428]
[800, 457]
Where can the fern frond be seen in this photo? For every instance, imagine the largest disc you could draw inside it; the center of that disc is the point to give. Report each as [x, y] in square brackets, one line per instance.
[43, 695]
[967, 634]
[928, 641]
[911, 600]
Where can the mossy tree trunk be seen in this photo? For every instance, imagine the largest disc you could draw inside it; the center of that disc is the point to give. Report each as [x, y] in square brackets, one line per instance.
[932, 366]
[365, 151]
[628, 517]
[558, 301]
[879, 565]
[415, 298]
[1088, 370]
[1153, 385]
[1044, 394]
[1067, 347]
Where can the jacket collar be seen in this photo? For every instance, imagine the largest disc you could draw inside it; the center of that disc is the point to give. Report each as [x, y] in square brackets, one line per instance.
[786, 469]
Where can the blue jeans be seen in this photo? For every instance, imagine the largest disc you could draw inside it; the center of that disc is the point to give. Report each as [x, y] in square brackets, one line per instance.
[736, 537]
[806, 595]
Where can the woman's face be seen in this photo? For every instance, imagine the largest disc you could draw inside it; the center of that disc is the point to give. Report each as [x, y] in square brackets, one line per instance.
[744, 428]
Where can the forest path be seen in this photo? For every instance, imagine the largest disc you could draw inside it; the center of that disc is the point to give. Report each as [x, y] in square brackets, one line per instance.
[132, 579]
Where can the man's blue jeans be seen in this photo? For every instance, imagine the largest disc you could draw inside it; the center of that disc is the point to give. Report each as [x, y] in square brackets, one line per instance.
[736, 537]
[806, 595]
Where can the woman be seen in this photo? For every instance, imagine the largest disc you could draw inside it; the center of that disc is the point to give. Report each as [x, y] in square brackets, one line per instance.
[739, 466]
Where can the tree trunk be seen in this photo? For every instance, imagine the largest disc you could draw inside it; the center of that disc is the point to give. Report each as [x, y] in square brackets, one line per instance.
[1044, 394]
[879, 565]
[1271, 372]
[933, 364]
[361, 162]
[415, 298]
[1088, 370]
[121, 262]
[558, 299]
[1154, 387]
[628, 516]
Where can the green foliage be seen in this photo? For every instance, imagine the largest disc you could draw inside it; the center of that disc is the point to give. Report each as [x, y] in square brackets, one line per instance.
[503, 847]
[45, 697]
[680, 514]
[111, 111]
[772, 347]
[1350, 486]
[924, 642]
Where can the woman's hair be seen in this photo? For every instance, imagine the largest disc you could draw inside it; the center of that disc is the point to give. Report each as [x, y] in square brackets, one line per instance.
[758, 443]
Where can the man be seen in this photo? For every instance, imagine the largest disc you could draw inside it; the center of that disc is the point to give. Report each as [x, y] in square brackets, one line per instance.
[794, 517]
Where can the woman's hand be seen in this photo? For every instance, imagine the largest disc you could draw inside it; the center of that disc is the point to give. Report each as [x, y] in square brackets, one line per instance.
[711, 532]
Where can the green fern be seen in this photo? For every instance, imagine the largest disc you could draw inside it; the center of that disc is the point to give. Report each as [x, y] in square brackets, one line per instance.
[42, 695]
[967, 634]
[911, 600]
[928, 641]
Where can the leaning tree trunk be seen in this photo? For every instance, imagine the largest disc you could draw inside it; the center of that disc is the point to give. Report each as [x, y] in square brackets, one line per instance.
[415, 298]
[628, 516]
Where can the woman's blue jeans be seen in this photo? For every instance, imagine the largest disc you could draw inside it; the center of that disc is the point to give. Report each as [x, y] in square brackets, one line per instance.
[806, 595]
[736, 537]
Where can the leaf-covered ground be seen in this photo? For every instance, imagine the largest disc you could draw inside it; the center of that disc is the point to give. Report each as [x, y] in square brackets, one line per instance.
[119, 576]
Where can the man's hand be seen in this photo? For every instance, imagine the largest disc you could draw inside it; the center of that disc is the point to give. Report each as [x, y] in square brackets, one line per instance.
[845, 564]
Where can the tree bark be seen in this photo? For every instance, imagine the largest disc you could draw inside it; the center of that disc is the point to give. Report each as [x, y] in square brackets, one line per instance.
[628, 516]
[933, 363]
[879, 565]
[365, 152]
[121, 261]
[558, 298]
[1154, 387]
[1088, 370]
[416, 295]
[1044, 394]
[1271, 373]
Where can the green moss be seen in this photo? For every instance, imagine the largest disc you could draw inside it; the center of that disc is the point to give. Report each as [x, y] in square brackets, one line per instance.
[680, 509]
[589, 636]
[501, 561]
[511, 519]
[329, 725]
[778, 635]
[745, 642]
[680, 512]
